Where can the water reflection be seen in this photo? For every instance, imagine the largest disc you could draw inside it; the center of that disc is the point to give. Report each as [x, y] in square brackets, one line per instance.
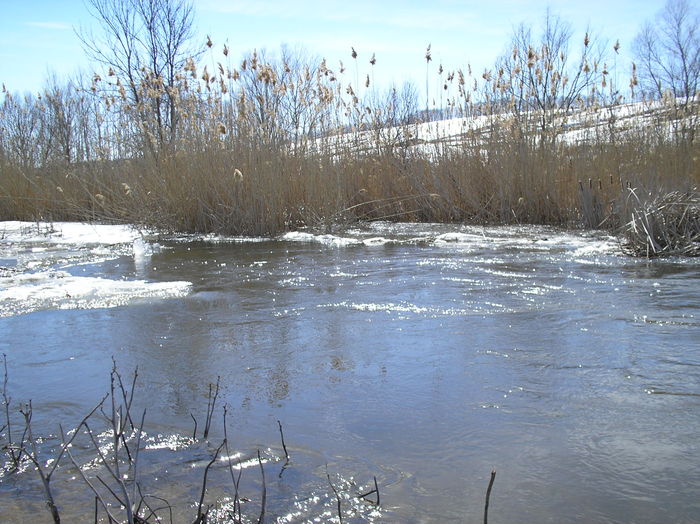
[572, 370]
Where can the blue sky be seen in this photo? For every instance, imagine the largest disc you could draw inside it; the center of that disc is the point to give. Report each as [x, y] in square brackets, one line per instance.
[37, 37]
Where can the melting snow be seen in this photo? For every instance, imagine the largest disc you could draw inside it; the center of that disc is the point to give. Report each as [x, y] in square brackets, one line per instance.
[35, 257]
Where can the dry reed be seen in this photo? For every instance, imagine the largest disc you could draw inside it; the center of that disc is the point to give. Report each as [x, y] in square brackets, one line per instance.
[666, 225]
[276, 144]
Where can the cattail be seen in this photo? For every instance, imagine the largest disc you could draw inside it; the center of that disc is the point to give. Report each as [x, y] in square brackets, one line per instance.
[428, 56]
[616, 47]
[373, 60]
[354, 53]
[531, 57]
[367, 81]
[209, 42]
[225, 50]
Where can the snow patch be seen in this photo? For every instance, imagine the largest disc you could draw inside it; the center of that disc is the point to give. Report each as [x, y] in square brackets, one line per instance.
[35, 259]
[67, 233]
[328, 240]
[27, 292]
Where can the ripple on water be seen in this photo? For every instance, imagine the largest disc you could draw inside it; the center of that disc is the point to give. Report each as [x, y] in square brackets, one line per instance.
[422, 354]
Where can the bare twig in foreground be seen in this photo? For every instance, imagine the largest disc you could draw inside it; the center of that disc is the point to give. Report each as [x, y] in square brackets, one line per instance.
[337, 496]
[488, 495]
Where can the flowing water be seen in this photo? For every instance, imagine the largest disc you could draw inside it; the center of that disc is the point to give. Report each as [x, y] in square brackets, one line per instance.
[422, 355]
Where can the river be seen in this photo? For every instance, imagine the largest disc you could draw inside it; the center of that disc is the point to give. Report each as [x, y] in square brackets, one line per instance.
[423, 355]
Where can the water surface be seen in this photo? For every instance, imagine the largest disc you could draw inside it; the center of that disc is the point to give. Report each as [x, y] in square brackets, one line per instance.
[424, 355]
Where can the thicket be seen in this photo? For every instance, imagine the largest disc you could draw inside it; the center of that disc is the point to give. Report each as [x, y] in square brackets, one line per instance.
[182, 139]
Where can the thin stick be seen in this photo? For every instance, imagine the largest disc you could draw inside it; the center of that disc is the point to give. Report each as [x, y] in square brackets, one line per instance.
[284, 446]
[201, 517]
[111, 491]
[33, 455]
[136, 453]
[194, 433]
[488, 495]
[337, 497]
[261, 519]
[6, 401]
[104, 505]
[166, 506]
[154, 511]
[375, 490]
[118, 422]
[236, 482]
[127, 397]
[211, 401]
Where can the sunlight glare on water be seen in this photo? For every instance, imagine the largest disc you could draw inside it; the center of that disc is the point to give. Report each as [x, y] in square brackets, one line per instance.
[422, 354]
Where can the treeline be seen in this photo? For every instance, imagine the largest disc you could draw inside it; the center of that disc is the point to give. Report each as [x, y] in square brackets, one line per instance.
[171, 136]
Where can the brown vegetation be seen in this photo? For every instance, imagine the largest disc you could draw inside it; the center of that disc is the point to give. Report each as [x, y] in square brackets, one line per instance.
[281, 142]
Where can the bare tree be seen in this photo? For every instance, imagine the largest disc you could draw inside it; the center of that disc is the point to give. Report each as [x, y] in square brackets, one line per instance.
[285, 99]
[23, 130]
[307, 94]
[61, 114]
[145, 44]
[541, 78]
[668, 51]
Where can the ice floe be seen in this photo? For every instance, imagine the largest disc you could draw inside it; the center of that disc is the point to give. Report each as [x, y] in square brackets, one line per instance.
[36, 260]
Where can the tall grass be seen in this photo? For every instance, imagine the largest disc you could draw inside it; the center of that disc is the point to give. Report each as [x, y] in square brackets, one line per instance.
[280, 143]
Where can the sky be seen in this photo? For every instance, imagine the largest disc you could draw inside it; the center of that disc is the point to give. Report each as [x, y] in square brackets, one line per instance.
[38, 37]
